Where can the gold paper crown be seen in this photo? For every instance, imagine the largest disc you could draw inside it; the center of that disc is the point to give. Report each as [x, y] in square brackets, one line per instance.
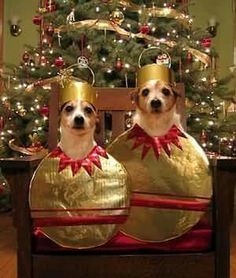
[73, 89]
[153, 72]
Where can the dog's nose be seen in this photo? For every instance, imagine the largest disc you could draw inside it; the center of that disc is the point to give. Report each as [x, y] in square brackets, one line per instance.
[79, 120]
[155, 103]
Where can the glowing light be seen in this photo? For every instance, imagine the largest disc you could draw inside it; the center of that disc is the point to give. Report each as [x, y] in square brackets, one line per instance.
[210, 123]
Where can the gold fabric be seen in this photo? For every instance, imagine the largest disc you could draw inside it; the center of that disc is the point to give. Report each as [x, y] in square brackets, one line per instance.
[54, 194]
[73, 89]
[184, 174]
[153, 72]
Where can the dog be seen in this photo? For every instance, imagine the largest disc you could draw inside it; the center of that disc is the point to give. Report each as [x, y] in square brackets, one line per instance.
[155, 107]
[156, 110]
[78, 122]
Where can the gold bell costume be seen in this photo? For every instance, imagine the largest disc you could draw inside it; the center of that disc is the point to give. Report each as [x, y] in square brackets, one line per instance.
[79, 203]
[170, 179]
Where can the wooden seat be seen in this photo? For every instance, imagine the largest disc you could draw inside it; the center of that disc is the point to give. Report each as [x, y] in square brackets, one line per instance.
[148, 264]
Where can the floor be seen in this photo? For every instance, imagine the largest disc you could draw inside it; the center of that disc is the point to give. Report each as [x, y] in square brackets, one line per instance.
[8, 248]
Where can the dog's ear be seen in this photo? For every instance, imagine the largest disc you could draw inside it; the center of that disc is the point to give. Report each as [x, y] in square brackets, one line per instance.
[134, 95]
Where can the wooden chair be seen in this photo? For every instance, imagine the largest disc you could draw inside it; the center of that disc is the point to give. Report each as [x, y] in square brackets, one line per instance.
[210, 264]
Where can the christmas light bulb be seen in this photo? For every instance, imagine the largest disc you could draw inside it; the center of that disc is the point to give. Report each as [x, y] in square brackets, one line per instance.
[210, 123]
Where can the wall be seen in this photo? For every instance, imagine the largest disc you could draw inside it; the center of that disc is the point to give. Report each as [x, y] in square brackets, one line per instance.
[223, 42]
[14, 46]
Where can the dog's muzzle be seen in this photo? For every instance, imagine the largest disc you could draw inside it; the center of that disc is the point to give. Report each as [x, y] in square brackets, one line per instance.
[78, 122]
[155, 104]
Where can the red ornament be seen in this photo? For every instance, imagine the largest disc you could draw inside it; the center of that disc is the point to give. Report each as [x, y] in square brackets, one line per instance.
[25, 57]
[49, 30]
[50, 5]
[59, 62]
[189, 57]
[51, 8]
[119, 64]
[144, 29]
[37, 19]
[44, 111]
[203, 137]
[1, 123]
[206, 42]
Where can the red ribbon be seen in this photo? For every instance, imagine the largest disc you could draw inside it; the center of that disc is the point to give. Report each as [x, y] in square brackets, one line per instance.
[87, 163]
[156, 142]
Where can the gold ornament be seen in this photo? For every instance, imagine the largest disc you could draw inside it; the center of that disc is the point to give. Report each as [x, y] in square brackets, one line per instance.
[184, 176]
[117, 17]
[59, 195]
[72, 89]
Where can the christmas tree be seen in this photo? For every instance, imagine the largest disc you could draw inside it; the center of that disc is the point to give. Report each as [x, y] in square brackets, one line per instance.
[110, 36]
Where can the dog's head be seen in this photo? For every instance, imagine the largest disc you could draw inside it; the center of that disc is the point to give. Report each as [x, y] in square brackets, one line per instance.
[78, 116]
[155, 97]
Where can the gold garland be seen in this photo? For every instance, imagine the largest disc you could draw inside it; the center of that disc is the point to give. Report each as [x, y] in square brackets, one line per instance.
[32, 151]
[157, 12]
[101, 24]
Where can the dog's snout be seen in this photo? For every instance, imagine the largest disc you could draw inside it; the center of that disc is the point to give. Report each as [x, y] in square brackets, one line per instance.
[155, 103]
[79, 120]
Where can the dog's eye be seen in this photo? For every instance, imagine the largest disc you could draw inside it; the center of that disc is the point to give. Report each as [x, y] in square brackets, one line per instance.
[166, 92]
[145, 92]
[88, 110]
[69, 108]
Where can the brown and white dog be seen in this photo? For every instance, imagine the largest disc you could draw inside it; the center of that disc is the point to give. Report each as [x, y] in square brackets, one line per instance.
[78, 121]
[156, 113]
[155, 107]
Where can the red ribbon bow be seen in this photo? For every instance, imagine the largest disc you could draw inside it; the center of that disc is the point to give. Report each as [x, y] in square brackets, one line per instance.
[155, 142]
[86, 163]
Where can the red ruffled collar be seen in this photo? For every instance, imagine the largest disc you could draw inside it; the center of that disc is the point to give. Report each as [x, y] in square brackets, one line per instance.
[93, 158]
[157, 142]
